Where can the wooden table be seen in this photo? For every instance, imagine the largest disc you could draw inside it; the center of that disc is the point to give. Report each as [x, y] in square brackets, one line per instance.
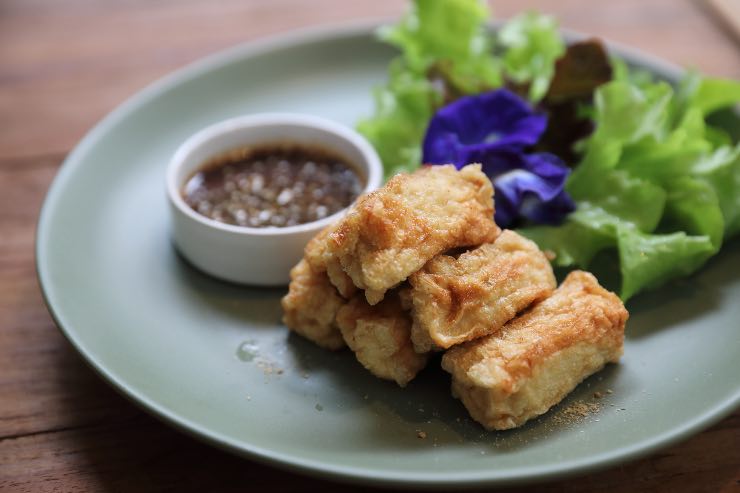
[63, 65]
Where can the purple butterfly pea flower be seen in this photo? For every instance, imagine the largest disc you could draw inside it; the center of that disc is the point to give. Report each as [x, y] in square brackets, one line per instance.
[495, 129]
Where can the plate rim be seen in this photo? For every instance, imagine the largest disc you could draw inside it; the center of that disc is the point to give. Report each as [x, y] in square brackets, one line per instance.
[293, 462]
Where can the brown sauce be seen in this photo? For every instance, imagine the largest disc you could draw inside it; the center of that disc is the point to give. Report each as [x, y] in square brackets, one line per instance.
[273, 186]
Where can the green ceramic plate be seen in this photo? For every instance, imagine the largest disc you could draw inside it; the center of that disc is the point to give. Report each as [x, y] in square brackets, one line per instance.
[214, 360]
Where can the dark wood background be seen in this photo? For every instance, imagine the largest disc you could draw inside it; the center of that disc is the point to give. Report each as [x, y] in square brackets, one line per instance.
[63, 65]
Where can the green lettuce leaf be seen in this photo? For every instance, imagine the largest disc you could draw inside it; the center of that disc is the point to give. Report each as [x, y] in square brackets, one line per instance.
[444, 36]
[587, 231]
[402, 109]
[721, 170]
[599, 157]
[706, 96]
[710, 95]
[660, 162]
[648, 261]
[656, 182]
[635, 76]
[626, 113]
[452, 31]
[693, 206]
[717, 137]
[533, 43]
[629, 198]
[578, 240]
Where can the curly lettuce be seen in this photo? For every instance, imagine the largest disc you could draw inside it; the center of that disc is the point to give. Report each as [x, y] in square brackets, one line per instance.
[532, 44]
[655, 180]
[447, 38]
[654, 184]
[446, 51]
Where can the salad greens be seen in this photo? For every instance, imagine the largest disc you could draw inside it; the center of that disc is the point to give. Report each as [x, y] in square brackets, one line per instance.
[653, 180]
[532, 44]
[459, 60]
[646, 173]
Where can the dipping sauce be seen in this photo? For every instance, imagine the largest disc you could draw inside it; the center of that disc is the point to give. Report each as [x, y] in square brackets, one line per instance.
[273, 186]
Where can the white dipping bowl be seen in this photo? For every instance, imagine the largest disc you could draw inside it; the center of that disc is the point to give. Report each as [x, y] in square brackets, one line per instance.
[258, 256]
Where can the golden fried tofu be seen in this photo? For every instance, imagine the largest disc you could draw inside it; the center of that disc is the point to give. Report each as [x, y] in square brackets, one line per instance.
[536, 359]
[392, 232]
[460, 299]
[311, 306]
[380, 336]
[317, 255]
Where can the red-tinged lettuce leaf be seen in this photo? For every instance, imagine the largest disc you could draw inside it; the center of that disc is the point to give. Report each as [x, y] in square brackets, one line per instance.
[566, 127]
[584, 67]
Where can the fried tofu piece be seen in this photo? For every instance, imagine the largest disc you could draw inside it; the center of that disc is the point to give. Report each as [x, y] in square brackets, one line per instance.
[520, 372]
[460, 299]
[311, 306]
[380, 337]
[392, 232]
[317, 255]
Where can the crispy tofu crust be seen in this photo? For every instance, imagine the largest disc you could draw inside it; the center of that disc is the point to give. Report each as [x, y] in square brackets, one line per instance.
[460, 299]
[318, 257]
[311, 306]
[520, 372]
[380, 337]
[392, 232]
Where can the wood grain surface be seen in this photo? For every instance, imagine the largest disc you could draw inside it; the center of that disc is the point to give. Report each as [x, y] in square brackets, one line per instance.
[63, 66]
